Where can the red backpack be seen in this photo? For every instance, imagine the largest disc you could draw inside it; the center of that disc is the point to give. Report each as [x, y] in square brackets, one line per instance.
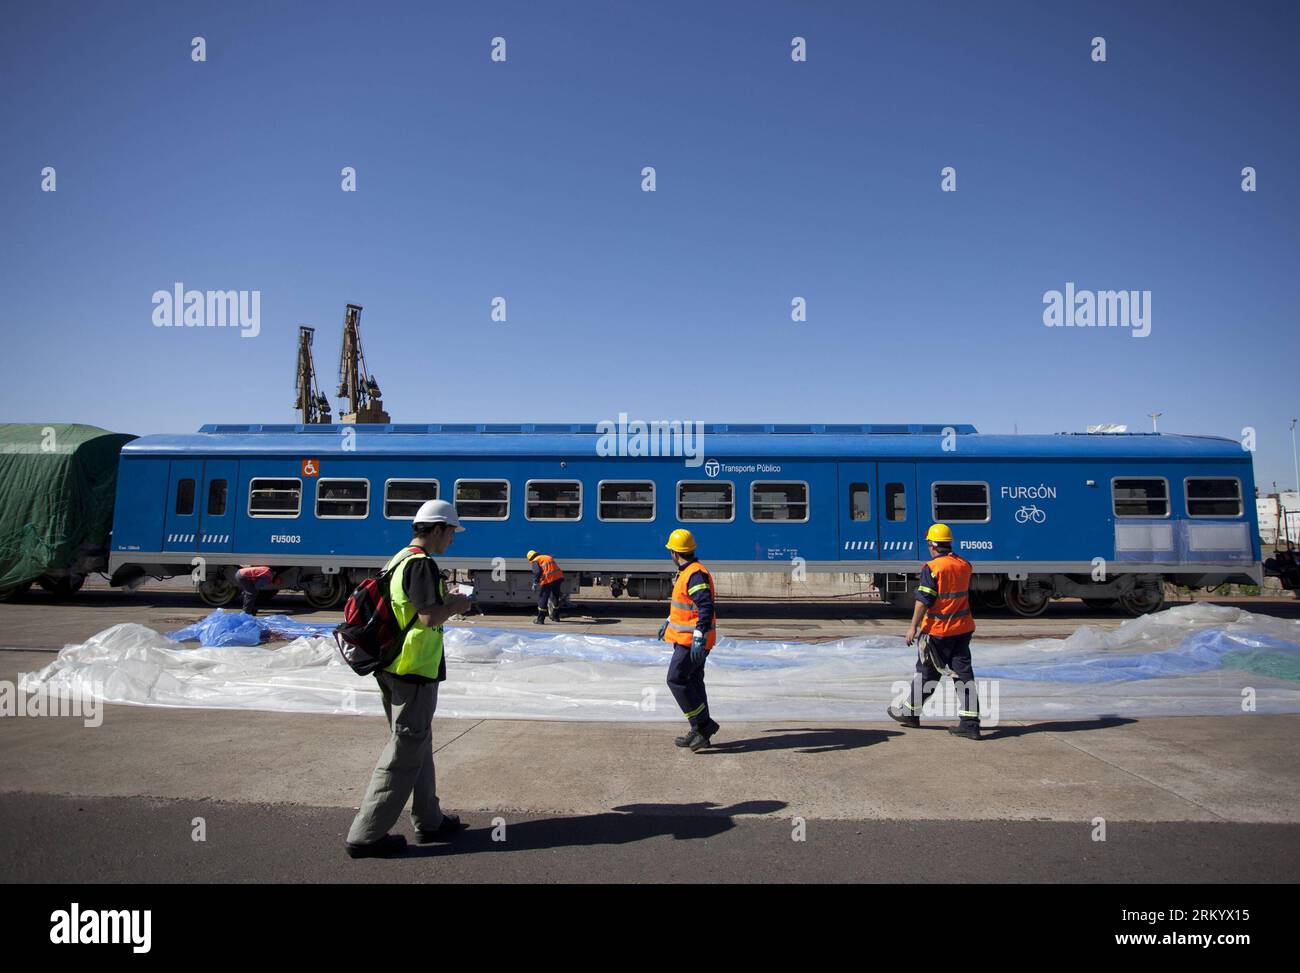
[369, 637]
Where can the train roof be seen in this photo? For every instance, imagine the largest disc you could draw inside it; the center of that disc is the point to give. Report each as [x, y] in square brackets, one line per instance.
[729, 440]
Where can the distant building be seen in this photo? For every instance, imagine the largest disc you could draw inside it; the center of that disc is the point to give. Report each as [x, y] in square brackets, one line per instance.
[1279, 517]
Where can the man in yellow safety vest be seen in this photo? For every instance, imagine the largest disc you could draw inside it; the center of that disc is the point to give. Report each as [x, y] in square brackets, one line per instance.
[409, 687]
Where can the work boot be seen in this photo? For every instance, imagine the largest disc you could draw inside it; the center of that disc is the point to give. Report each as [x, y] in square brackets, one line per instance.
[700, 739]
[696, 740]
[443, 832]
[969, 732]
[539, 618]
[903, 716]
[386, 847]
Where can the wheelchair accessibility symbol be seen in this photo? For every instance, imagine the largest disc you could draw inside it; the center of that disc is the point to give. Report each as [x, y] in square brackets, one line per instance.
[311, 467]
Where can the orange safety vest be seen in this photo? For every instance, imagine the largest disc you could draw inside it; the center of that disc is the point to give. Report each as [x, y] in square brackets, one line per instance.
[683, 616]
[950, 613]
[550, 570]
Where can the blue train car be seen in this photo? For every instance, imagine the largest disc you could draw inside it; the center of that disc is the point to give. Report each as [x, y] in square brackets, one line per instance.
[1107, 517]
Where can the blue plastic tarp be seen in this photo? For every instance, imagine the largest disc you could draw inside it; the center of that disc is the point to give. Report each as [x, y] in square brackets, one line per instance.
[236, 628]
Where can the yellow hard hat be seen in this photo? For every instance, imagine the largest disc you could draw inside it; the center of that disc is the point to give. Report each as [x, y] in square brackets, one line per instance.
[939, 534]
[681, 540]
[531, 555]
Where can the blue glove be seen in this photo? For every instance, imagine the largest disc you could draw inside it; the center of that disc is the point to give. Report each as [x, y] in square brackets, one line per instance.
[662, 631]
[697, 648]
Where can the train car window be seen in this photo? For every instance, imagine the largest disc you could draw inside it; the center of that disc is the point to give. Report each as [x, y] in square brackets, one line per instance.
[706, 500]
[961, 502]
[185, 497]
[1213, 496]
[1147, 497]
[217, 498]
[626, 500]
[274, 498]
[553, 500]
[778, 501]
[342, 499]
[402, 498]
[483, 499]
[860, 501]
[895, 501]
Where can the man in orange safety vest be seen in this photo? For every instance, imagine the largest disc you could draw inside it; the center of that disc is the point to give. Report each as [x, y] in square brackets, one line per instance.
[942, 613]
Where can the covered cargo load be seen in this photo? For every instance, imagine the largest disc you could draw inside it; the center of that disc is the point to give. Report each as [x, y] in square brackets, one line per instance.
[57, 482]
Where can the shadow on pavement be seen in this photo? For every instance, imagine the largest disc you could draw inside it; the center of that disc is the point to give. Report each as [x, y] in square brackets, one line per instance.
[805, 740]
[621, 825]
[1063, 726]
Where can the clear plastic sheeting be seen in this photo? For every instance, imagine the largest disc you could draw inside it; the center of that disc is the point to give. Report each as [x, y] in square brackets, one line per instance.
[1191, 660]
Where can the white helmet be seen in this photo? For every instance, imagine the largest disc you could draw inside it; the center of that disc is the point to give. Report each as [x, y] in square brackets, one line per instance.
[437, 512]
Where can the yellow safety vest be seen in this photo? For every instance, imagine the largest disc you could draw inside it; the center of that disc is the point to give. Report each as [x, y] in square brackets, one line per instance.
[421, 653]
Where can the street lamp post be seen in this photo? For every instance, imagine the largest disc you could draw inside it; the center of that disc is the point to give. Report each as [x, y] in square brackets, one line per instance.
[1293, 457]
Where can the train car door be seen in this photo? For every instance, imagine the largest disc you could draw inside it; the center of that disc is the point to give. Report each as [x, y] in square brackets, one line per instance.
[857, 512]
[898, 512]
[217, 511]
[181, 524]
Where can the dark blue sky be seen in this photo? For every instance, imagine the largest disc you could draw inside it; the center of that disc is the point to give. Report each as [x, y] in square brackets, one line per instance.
[775, 179]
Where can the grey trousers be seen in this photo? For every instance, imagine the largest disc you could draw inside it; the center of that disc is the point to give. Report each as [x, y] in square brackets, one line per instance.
[405, 768]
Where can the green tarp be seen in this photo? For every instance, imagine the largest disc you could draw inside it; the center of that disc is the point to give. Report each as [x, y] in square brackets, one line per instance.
[56, 496]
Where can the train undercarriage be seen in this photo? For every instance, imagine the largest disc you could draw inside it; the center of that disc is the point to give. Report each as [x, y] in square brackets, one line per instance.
[1027, 595]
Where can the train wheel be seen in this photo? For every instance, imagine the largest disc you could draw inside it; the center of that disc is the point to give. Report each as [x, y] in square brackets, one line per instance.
[63, 587]
[1025, 601]
[991, 599]
[1143, 601]
[324, 591]
[216, 592]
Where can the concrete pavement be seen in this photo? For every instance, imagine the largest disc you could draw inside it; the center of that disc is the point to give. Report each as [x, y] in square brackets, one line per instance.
[1244, 768]
[86, 840]
[1183, 799]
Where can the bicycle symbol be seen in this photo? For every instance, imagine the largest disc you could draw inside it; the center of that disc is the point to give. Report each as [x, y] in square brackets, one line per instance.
[1031, 512]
